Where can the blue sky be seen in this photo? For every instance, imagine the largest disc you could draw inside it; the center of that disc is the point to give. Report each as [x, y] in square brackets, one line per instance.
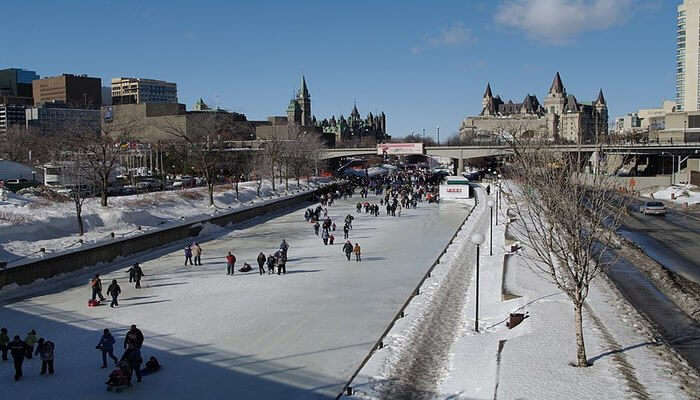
[424, 63]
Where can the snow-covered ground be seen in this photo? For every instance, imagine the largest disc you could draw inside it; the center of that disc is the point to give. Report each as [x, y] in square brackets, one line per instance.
[531, 361]
[679, 194]
[298, 336]
[28, 224]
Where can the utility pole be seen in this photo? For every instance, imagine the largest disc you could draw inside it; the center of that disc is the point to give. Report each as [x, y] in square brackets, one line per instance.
[438, 135]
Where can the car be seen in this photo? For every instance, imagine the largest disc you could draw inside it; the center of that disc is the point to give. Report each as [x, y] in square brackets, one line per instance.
[653, 208]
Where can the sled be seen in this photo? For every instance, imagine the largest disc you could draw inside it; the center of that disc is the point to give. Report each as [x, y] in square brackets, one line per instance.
[93, 303]
[117, 388]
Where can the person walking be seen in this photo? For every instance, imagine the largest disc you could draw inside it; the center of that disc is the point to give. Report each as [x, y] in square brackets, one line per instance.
[188, 255]
[30, 341]
[4, 341]
[230, 263]
[346, 231]
[317, 226]
[45, 351]
[324, 237]
[197, 251]
[347, 249]
[96, 285]
[133, 337]
[261, 263]
[284, 246]
[281, 264]
[138, 274]
[114, 290]
[106, 345]
[358, 252]
[18, 350]
[132, 274]
[331, 239]
[270, 264]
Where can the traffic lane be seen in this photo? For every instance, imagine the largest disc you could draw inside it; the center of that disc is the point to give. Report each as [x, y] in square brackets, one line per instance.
[671, 240]
[680, 219]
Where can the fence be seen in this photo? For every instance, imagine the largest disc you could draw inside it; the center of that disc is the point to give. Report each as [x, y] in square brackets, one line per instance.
[347, 389]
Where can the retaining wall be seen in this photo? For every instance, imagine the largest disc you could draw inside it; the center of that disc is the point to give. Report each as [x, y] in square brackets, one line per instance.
[50, 266]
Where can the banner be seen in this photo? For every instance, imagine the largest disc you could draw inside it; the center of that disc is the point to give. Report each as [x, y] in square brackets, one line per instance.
[399, 148]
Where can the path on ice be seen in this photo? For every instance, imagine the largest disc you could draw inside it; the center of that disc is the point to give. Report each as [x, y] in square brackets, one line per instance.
[298, 336]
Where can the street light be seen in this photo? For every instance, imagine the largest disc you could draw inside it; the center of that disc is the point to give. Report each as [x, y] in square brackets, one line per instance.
[477, 239]
[499, 189]
[490, 204]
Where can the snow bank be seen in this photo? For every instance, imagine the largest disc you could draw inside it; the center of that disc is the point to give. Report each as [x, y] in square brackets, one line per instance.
[28, 224]
[679, 194]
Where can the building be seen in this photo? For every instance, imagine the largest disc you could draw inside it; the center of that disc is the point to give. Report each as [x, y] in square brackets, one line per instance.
[561, 118]
[646, 121]
[106, 96]
[17, 82]
[77, 91]
[59, 119]
[153, 122]
[687, 65]
[143, 91]
[356, 130]
[630, 123]
[15, 96]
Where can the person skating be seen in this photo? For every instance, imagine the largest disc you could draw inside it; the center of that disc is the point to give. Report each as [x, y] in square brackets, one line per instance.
[106, 345]
[346, 231]
[133, 357]
[284, 246]
[96, 285]
[270, 264]
[30, 340]
[358, 252]
[324, 237]
[197, 252]
[261, 262]
[4, 341]
[347, 249]
[317, 226]
[133, 337]
[138, 274]
[359, 207]
[331, 239]
[230, 263]
[114, 290]
[18, 350]
[45, 351]
[132, 274]
[281, 263]
[188, 255]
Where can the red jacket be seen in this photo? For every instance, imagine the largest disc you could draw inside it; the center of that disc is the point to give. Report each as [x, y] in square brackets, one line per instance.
[231, 259]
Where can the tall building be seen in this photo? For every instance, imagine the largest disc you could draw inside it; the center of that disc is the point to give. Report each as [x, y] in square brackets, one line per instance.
[76, 91]
[143, 91]
[59, 119]
[299, 109]
[17, 82]
[687, 62]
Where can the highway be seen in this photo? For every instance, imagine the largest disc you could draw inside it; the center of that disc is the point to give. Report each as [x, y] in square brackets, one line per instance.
[672, 240]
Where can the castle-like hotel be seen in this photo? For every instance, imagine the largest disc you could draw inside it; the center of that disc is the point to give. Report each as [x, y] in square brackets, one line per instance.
[562, 117]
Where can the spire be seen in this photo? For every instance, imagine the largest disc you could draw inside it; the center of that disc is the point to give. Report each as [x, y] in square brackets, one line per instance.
[304, 89]
[557, 86]
[601, 99]
[488, 93]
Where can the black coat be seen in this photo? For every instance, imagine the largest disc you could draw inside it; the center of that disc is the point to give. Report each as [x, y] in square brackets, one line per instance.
[135, 337]
[114, 289]
[17, 348]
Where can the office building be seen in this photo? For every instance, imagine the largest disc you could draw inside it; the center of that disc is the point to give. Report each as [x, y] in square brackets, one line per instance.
[143, 91]
[687, 47]
[17, 82]
[76, 91]
[59, 119]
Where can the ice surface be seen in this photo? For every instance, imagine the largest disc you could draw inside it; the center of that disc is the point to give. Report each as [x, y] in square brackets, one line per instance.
[298, 336]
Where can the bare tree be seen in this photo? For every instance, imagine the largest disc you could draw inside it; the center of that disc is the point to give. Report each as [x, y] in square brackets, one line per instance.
[25, 146]
[240, 166]
[302, 149]
[204, 144]
[77, 177]
[273, 152]
[567, 221]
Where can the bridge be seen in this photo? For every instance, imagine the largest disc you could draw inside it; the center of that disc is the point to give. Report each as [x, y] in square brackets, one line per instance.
[462, 153]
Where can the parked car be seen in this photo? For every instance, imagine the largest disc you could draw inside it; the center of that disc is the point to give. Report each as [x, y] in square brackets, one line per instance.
[653, 208]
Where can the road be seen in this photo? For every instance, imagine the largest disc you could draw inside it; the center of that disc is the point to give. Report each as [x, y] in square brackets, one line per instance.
[298, 336]
[672, 240]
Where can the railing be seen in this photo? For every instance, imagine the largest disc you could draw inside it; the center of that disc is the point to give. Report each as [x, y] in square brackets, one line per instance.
[347, 389]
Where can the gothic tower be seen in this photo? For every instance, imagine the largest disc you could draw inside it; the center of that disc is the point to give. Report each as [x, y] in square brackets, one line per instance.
[304, 100]
[554, 103]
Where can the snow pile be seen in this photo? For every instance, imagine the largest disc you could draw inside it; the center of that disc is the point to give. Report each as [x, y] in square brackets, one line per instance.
[29, 223]
[679, 194]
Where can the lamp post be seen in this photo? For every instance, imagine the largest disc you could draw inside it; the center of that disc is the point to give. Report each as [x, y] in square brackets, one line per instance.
[499, 189]
[490, 204]
[477, 239]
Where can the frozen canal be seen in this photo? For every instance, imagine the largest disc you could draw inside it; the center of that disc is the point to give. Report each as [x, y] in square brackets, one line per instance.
[298, 336]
